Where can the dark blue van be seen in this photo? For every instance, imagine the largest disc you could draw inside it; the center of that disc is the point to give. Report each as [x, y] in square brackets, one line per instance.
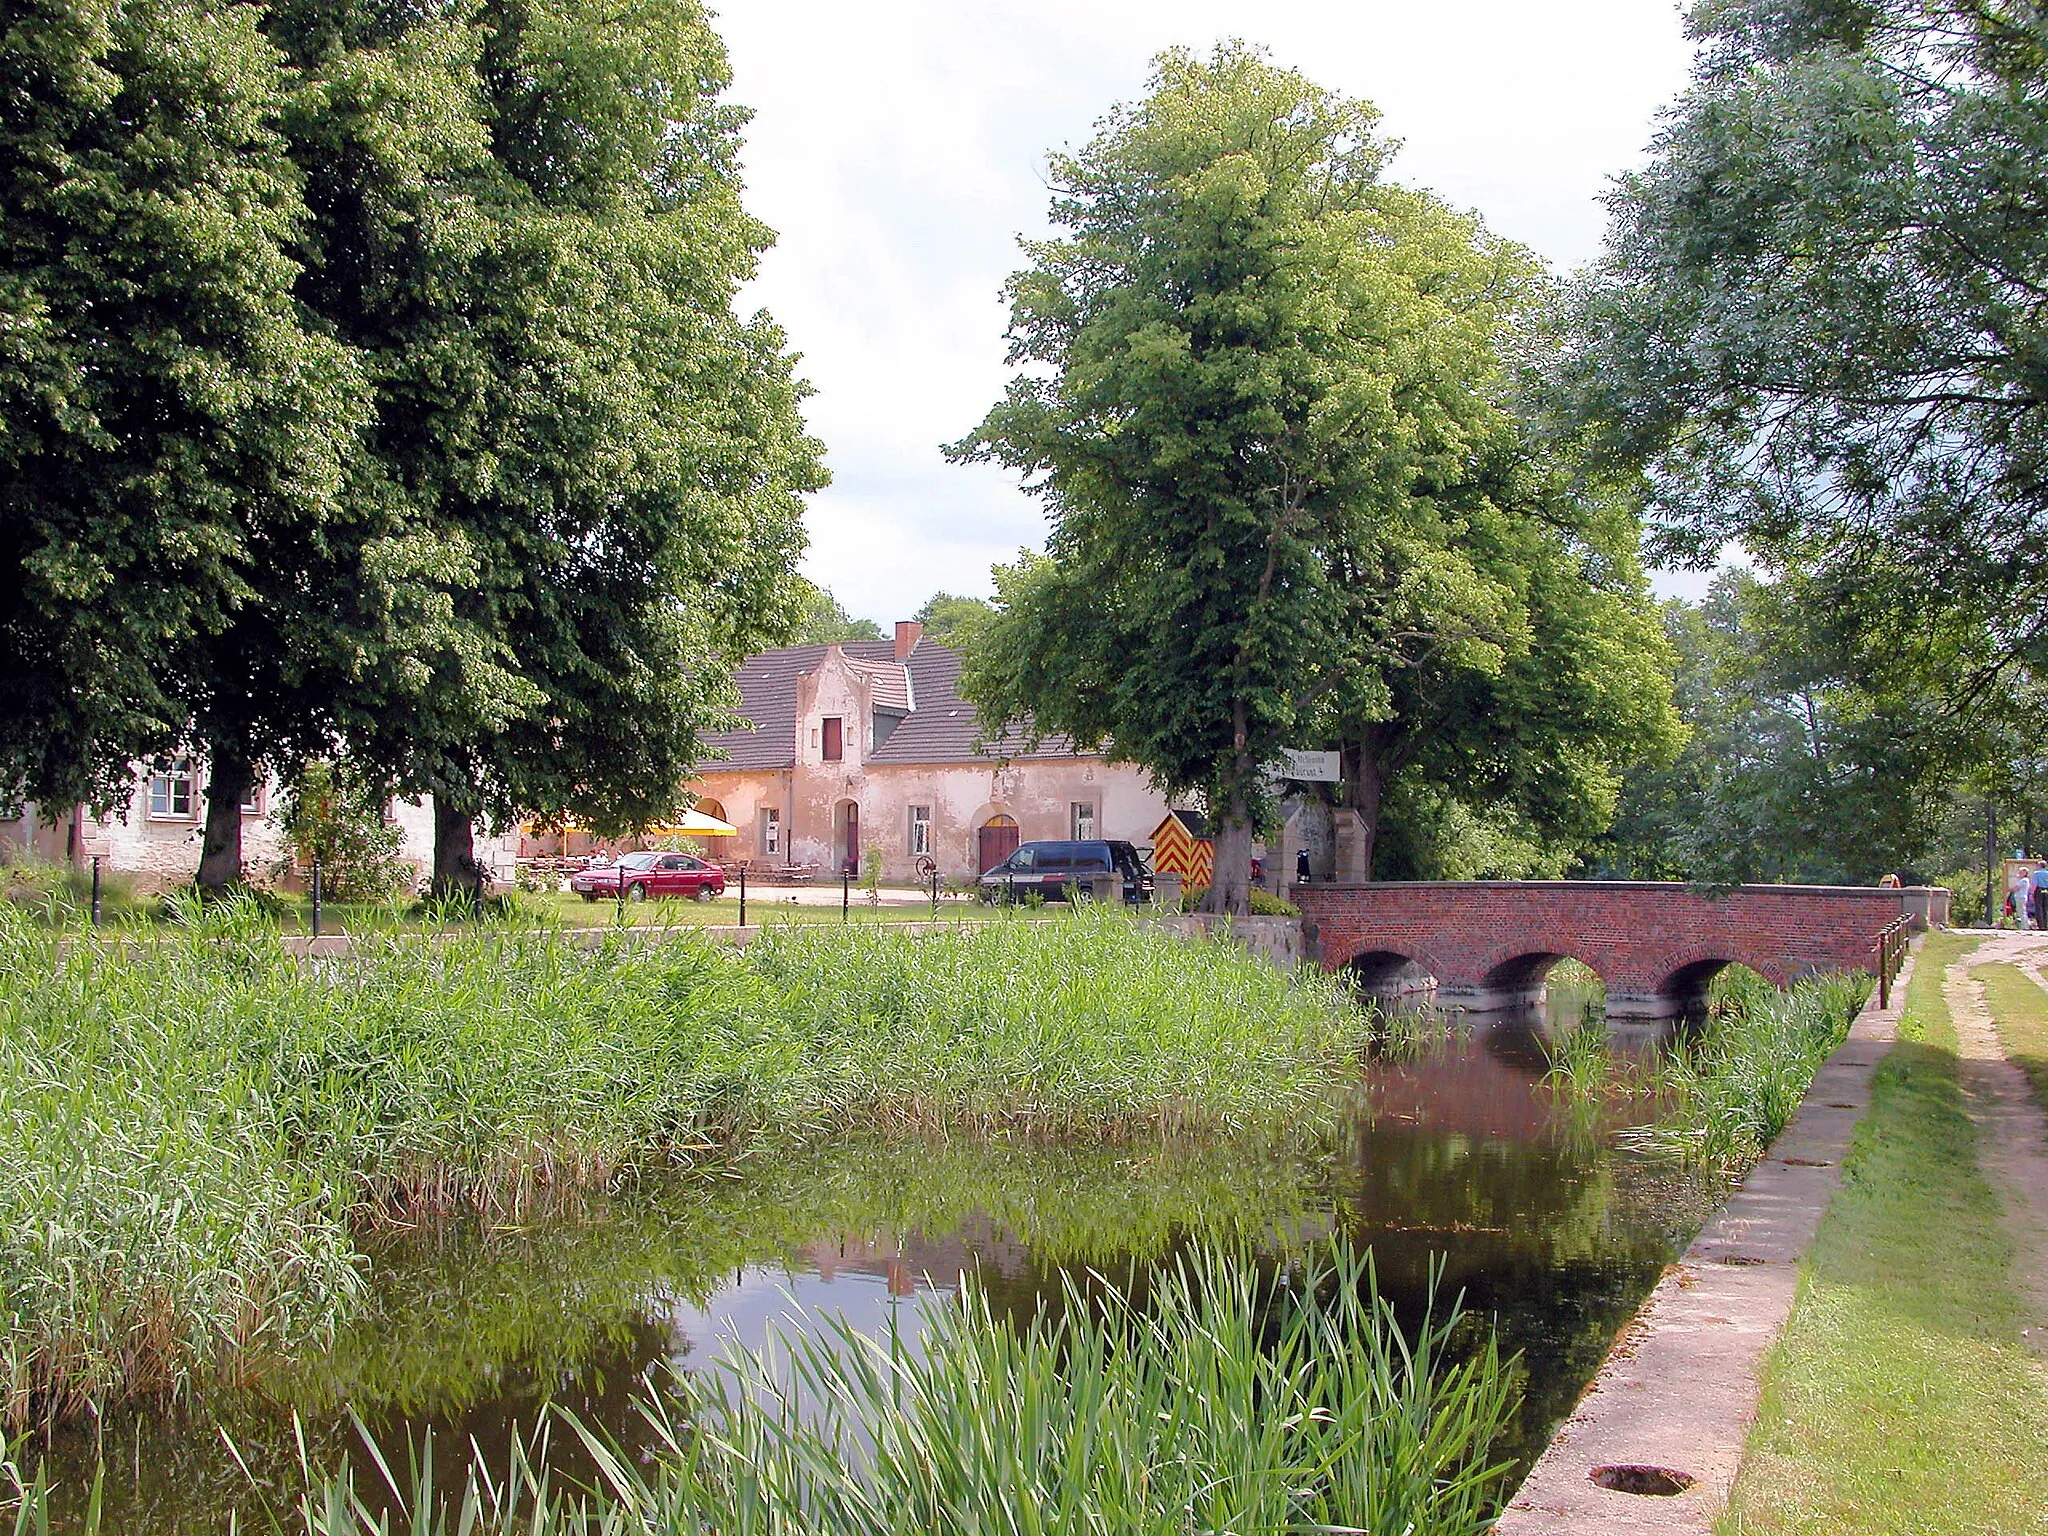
[1053, 870]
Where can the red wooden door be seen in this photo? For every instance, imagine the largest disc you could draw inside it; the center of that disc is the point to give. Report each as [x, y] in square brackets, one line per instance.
[998, 842]
[853, 837]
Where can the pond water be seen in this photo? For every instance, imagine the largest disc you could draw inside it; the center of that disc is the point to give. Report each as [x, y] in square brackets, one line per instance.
[1457, 1162]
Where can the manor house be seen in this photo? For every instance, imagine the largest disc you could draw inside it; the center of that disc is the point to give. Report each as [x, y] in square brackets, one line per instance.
[868, 745]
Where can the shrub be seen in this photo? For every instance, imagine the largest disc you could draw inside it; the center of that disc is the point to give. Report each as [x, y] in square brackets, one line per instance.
[1263, 903]
[333, 815]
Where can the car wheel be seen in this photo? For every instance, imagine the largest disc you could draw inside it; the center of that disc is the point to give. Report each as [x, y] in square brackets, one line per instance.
[636, 892]
[702, 893]
[590, 896]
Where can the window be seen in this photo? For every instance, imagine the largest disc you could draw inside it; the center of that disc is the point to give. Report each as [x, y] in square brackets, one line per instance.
[252, 802]
[920, 830]
[771, 831]
[1083, 819]
[170, 792]
[835, 739]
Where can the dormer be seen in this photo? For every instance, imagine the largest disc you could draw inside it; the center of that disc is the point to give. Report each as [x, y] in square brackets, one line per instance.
[847, 706]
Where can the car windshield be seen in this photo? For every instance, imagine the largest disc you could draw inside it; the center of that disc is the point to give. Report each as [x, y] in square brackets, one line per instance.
[639, 861]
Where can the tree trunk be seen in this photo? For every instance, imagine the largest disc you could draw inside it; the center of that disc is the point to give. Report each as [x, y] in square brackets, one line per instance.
[1368, 781]
[1230, 885]
[228, 778]
[1230, 877]
[456, 871]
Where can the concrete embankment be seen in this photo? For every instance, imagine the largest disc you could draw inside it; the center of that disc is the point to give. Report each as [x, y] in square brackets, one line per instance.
[1655, 1443]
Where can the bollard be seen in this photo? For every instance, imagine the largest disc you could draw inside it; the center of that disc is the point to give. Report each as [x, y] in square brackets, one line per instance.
[620, 871]
[935, 895]
[316, 898]
[845, 892]
[743, 895]
[95, 890]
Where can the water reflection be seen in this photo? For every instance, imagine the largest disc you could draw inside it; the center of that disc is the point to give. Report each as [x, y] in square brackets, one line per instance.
[1456, 1161]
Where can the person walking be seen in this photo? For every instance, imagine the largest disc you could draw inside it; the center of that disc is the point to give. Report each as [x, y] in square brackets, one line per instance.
[2037, 884]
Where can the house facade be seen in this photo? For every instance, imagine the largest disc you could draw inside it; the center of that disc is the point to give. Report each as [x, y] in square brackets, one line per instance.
[869, 746]
[156, 837]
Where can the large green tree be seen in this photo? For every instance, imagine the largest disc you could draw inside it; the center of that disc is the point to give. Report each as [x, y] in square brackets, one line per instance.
[1272, 422]
[583, 471]
[1810, 759]
[170, 431]
[1822, 318]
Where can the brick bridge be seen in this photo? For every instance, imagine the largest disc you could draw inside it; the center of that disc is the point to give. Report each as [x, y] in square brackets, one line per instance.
[1490, 943]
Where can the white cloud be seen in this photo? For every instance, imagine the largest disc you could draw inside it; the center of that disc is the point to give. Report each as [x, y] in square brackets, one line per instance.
[898, 149]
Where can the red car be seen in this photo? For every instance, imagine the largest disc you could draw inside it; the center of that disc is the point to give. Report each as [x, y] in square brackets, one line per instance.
[651, 874]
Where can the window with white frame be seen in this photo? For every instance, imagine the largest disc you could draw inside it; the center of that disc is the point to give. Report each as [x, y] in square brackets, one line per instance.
[252, 802]
[1082, 820]
[170, 792]
[920, 830]
[771, 831]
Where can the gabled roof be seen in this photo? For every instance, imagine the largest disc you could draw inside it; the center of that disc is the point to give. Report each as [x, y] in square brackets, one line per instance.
[938, 726]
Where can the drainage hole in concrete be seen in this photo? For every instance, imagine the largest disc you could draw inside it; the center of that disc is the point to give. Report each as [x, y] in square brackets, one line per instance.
[1807, 1162]
[1742, 1258]
[1629, 1477]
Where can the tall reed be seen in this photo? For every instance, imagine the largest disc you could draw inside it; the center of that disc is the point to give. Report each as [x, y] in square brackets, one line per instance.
[1726, 1094]
[1215, 1403]
[191, 1126]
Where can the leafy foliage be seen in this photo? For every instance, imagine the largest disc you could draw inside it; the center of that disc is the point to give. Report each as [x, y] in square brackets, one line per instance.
[1819, 320]
[825, 622]
[953, 621]
[1805, 764]
[332, 815]
[1272, 421]
[169, 427]
[584, 467]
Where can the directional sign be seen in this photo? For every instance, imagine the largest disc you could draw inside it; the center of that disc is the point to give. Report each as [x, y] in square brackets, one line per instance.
[1312, 767]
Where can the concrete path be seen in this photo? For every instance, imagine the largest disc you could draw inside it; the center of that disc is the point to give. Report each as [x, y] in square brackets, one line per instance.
[1678, 1391]
[2012, 1130]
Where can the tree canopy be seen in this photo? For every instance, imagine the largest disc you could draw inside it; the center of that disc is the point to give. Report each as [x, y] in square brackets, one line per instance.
[824, 621]
[1271, 419]
[1819, 321]
[952, 621]
[583, 471]
[171, 431]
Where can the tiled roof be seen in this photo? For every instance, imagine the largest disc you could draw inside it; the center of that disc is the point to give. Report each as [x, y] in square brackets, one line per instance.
[890, 680]
[939, 726]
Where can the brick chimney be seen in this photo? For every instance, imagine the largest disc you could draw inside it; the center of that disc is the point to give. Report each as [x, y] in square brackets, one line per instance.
[908, 633]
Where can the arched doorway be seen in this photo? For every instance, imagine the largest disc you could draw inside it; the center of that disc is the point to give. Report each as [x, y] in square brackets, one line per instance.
[711, 807]
[998, 840]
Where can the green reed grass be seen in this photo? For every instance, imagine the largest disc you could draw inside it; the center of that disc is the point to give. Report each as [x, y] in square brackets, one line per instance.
[1581, 1058]
[1726, 1094]
[1217, 1402]
[193, 1126]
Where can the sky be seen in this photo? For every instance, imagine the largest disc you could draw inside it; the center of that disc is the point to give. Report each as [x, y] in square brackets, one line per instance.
[898, 148]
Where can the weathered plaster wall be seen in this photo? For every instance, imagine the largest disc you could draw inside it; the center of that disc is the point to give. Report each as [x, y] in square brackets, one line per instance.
[163, 851]
[1038, 795]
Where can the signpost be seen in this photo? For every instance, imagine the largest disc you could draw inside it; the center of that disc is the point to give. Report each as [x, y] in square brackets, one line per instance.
[1312, 767]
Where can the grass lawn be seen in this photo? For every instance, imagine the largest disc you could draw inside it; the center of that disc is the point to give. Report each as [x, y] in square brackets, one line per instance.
[1901, 1397]
[2020, 1009]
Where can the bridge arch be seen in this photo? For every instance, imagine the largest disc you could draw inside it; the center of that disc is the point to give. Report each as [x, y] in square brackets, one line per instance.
[1387, 973]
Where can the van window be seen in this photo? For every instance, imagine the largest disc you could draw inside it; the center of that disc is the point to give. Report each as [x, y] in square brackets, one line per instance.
[1021, 859]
